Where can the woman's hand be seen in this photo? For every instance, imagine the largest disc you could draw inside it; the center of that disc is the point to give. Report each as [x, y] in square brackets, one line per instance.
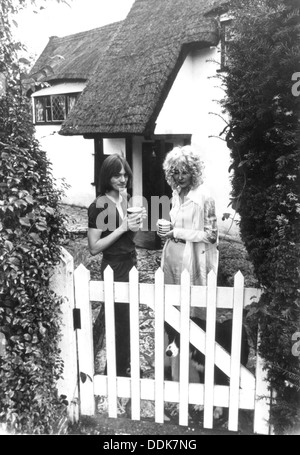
[168, 235]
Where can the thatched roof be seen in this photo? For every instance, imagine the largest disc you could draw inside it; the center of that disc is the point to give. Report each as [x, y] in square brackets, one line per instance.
[135, 74]
[218, 7]
[74, 56]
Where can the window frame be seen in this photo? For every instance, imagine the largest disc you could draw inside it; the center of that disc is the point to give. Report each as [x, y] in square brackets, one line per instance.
[47, 106]
[225, 21]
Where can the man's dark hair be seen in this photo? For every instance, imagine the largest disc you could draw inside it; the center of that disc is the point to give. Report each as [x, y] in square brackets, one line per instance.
[111, 167]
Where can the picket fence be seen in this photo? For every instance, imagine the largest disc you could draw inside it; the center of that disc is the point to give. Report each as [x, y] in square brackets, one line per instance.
[80, 384]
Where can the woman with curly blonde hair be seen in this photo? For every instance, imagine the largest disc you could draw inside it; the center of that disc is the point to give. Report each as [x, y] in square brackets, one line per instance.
[190, 161]
[192, 242]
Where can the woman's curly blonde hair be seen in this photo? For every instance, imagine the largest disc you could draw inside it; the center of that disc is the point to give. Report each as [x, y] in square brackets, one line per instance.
[184, 158]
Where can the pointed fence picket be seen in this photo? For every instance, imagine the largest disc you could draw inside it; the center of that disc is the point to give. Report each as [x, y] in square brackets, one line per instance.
[134, 343]
[109, 312]
[209, 343]
[173, 304]
[159, 347]
[184, 348]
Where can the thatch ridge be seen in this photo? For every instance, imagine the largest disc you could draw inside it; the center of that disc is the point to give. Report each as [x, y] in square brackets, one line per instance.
[218, 7]
[135, 74]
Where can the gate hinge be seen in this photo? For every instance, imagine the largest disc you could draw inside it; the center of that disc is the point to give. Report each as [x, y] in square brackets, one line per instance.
[76, 318]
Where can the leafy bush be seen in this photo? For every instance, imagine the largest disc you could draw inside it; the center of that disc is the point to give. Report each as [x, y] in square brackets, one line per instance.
[233, 257]
[31, 231]
[263, 136]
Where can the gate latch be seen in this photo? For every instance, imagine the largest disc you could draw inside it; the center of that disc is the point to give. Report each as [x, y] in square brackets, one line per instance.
[76, 318]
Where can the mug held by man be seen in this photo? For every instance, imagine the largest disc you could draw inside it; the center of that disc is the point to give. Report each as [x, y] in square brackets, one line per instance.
[136, 214]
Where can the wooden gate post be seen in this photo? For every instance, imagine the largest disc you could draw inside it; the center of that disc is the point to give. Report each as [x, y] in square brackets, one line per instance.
[235, 366]
[85, 341]
[62, 284]
[262, 396]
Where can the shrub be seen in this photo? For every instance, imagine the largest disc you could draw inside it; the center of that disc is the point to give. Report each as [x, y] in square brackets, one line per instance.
[263, 135]
[233, 257]
[31, 231]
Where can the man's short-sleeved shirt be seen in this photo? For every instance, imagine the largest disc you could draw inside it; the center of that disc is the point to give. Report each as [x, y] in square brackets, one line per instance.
[104, 215]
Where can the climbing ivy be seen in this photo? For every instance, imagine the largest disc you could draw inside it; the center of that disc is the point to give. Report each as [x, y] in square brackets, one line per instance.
[263, 137]
[31, 232]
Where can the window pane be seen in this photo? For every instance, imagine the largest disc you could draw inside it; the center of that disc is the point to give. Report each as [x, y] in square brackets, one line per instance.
[58, 107]
[54, 108]
[48, 109]
[39, 110]
[72, 101]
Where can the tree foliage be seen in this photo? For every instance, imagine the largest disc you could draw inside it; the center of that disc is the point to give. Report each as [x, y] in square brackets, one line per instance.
[31, 232]
[263, 137]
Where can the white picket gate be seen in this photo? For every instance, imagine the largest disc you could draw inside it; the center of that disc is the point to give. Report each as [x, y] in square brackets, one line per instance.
[245, 391]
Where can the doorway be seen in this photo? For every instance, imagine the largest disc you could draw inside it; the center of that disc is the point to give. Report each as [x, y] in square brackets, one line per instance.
[154, 183]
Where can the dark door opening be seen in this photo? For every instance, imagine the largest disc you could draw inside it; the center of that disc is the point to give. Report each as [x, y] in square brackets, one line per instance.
[154, 183]
[100, 157]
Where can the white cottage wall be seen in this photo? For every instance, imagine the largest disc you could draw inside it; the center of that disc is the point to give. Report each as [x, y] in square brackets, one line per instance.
[72, 159]
[192, 108]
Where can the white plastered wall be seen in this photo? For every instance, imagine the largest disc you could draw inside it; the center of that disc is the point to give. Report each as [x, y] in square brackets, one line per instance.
[72, 159]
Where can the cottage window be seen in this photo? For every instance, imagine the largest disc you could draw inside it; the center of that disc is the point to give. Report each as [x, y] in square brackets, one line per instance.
[54, 108]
